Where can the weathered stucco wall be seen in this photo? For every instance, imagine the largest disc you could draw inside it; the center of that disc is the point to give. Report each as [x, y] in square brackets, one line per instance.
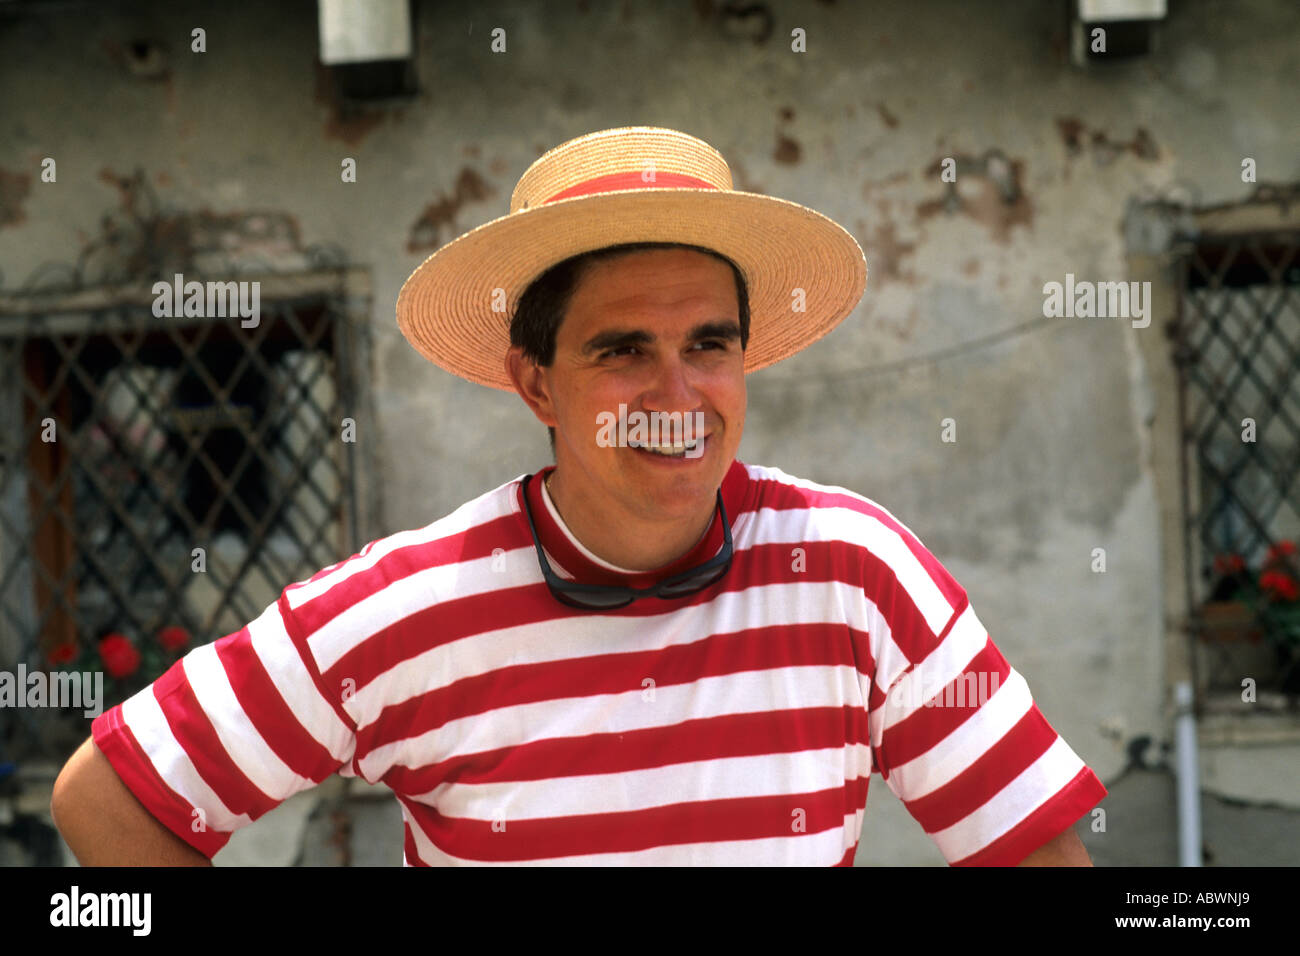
[1050, 459]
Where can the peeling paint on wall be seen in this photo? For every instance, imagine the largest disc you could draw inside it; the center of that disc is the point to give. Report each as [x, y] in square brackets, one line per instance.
[346, 122]
[1104, 150]
[427, 231]
[885, 252]
[997, 202]
[787, 151]
[14, 189]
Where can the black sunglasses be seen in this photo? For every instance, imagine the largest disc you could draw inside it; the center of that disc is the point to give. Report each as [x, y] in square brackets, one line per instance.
[602, 597]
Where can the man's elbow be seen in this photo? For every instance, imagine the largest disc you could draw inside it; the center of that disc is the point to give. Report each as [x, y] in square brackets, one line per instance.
[1066, 850]
[64, 794]
[104, 824]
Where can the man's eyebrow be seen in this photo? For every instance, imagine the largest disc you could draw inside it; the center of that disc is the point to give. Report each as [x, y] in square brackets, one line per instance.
[615, 338]
[716, 330]
[621, 338]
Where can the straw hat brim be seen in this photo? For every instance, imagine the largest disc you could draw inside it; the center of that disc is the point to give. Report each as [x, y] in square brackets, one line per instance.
[446, 311]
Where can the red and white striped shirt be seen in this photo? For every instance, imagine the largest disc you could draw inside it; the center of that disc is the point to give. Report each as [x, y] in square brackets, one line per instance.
[739, 725]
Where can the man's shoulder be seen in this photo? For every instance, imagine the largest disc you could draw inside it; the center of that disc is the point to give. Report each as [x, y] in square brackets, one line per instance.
[829, 512]
[780, 491]
[791, 508]
[443, 541]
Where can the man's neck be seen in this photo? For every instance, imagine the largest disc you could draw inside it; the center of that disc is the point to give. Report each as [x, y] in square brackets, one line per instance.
[622, 539]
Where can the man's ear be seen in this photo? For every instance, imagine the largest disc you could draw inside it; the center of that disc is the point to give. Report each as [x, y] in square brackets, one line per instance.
[530, 382]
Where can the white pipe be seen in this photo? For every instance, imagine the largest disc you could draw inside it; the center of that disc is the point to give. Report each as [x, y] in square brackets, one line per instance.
[1189, 783]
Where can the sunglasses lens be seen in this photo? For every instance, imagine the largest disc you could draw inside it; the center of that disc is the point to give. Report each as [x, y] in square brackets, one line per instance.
[621, 597]
[594, 601]
[696, 583]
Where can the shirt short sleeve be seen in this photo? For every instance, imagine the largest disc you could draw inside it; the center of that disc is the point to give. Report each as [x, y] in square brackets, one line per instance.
[230, 731]
[957, 736]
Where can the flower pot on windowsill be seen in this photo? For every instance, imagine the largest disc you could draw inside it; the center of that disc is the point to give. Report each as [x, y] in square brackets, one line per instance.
[1229, 622]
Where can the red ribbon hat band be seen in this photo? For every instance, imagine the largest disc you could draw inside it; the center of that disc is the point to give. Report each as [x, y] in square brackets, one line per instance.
[631, 180]
[626, 185]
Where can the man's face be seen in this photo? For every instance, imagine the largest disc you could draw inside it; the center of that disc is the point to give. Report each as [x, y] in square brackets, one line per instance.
[657, 331]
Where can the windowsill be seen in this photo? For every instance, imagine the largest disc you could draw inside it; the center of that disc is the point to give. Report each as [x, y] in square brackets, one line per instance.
[1227, 721]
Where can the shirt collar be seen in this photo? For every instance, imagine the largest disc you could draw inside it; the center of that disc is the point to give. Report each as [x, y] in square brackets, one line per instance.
[572, 559]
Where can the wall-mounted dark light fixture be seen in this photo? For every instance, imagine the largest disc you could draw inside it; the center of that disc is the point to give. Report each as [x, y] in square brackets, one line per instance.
[369, 47]
[1110, 30]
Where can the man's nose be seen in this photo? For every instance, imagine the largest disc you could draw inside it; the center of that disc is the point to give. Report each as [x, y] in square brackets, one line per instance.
[673, 388]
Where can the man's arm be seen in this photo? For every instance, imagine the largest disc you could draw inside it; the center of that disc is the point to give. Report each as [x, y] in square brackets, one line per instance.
[1066, 850]
[105, 825]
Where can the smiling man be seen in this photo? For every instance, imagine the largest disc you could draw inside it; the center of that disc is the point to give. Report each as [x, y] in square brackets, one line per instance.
[653, 331]
[633, 656]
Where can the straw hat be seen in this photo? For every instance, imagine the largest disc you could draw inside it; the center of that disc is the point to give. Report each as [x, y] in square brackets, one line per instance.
[631, 184]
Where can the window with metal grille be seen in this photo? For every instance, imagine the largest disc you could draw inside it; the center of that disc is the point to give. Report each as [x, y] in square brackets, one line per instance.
[1237, 350]
[163, 472]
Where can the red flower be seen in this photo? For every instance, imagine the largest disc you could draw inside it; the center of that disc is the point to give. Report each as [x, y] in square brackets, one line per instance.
[62, 654]
[1278, 550]
[1229, 564]
[173, 638]
[1281, 585]
[121, 659]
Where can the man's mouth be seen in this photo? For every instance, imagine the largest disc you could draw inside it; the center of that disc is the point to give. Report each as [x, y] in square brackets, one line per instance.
[690, 449]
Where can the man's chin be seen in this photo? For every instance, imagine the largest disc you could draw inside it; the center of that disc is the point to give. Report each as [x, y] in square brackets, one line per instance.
[679, 495]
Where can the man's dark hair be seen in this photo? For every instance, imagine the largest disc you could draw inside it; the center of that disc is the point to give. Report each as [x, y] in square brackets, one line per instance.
[544, 303]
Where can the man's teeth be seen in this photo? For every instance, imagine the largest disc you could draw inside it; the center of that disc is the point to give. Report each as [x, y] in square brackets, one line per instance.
[672, 451]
